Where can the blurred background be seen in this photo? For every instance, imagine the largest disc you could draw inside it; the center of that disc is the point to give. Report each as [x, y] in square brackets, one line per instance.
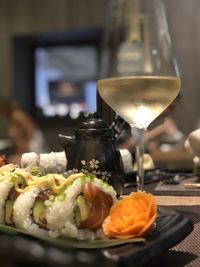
[41, 41]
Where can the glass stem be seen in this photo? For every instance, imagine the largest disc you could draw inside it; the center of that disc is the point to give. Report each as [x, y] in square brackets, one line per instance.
[140, 159]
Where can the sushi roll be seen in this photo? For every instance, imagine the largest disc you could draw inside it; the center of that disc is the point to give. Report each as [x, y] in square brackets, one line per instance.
[30, 162]
[29, 159]
[6, 185]
[11, 177]
[23, 212]
[29, 208]
[80, 207]
[54, 162]
[72, 207]
[61, 161]
[38, 165]
[48, 163]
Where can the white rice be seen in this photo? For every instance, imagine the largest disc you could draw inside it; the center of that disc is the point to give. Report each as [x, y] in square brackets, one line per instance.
[61, 161]
[5, 187]
[105, 188]
[48, 163]
[22, 212]
[60, 213]
[30, 159]
[54, 162]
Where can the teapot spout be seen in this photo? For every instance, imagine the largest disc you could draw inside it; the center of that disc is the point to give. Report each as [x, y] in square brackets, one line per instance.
[66, 142]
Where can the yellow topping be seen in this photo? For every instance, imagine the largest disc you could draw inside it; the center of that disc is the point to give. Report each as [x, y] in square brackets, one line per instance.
[52, 181]
[55, 182]
[70, 179]
[14, 173]
[8, 168]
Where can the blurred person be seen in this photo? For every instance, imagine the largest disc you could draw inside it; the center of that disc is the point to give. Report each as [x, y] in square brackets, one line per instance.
[23, 132]
[165, 135]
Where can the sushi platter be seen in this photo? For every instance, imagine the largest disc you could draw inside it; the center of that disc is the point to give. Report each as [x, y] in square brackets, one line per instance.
[45, 208]
[23, 249]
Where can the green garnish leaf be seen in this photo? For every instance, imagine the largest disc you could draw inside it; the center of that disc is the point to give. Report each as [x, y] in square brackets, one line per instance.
[69, 243]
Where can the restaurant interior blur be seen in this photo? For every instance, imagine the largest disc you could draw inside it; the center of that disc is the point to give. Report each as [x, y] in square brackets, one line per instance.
[50, 62]
[50, 54]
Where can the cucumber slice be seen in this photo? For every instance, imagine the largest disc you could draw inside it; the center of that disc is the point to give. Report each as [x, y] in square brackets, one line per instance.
[38, 210]
[8, 211]
[83, 210]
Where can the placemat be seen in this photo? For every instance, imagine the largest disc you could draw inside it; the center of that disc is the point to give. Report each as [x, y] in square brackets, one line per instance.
[178, 201]
[187, 252]
[162, 188]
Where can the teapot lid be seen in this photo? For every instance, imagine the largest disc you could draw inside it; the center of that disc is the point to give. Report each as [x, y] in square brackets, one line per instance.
[94, 126]
[94, 122]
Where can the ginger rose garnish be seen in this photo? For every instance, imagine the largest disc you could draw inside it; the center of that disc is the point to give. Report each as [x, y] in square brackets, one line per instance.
[133, 216]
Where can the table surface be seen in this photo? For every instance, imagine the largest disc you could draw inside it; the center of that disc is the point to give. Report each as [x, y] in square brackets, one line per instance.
[186, 253]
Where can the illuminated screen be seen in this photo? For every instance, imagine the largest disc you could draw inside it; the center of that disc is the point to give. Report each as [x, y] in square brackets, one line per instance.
[65, 80]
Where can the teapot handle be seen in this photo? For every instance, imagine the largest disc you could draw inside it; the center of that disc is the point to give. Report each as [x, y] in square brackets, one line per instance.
[66, 142]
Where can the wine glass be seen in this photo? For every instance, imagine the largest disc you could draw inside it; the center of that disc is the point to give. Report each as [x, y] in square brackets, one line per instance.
[143, 74]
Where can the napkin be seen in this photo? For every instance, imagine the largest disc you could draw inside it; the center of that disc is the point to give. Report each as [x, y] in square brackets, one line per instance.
[130, 166]
[127, 160]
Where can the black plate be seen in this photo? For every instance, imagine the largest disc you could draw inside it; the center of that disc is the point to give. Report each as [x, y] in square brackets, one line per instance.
[172, 227]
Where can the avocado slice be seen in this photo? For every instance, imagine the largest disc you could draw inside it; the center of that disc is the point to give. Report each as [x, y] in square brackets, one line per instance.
[77, 217]
[39, 210]
[83, 209]
[8, 211]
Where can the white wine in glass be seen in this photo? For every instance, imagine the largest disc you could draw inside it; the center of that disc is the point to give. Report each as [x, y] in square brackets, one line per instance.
[139, 74]
[139, 100]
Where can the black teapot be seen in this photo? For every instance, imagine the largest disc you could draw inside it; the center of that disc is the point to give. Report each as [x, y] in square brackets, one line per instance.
[93, 149]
